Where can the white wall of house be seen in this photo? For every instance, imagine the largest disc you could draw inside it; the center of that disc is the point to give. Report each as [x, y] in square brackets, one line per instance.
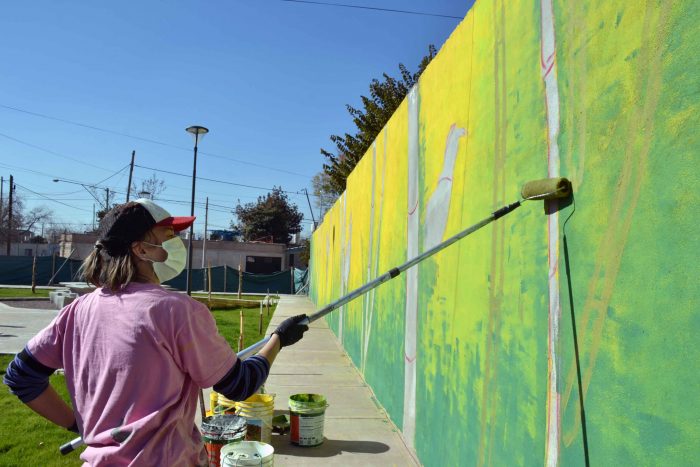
[216, 253]
[31, 249]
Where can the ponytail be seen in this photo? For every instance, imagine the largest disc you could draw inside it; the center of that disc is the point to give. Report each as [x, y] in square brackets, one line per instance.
[103, 270]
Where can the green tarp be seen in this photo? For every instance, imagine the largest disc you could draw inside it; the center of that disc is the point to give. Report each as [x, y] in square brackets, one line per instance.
[17, 270]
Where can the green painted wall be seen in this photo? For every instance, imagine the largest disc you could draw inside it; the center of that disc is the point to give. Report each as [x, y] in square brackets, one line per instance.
[472, 352]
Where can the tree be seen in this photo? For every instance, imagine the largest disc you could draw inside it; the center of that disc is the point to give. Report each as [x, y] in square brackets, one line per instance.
[152, 185]
[324, 194]
[305, 254]
[385, 97]
[21, 218]
[36, 216]
[272, 216]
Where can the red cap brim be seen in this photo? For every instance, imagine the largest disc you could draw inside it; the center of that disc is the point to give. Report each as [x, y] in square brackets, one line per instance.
[177, 223]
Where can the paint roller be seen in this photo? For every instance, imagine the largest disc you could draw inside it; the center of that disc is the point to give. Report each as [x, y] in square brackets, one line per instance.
[545, 189]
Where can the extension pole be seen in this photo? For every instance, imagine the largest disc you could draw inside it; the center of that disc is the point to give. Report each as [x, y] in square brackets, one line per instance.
[131, 173]
[392, 273]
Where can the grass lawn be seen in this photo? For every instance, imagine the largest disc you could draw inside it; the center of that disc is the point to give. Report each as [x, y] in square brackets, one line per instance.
[11, 293]
[28, 439]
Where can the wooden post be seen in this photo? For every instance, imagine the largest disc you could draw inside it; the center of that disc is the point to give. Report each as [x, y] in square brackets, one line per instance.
[240, 336]
[209, 282]
[260, 329]
[240, 279]
[34, 275]
[267, 302]
[225, 274]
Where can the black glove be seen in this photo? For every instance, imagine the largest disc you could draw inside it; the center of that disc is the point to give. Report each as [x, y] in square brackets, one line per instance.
[290, 331]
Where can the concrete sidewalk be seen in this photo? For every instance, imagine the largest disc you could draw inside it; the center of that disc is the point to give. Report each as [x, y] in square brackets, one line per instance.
[357, 430]
[18, 325]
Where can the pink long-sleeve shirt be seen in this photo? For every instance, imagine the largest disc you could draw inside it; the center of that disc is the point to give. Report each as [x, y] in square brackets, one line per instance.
[134, 362]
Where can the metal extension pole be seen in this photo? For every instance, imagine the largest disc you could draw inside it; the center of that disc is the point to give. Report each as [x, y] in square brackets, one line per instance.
[391, 273]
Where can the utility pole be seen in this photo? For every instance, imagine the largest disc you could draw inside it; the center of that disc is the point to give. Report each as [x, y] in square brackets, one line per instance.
[93, 217]
[9, 215]
[2, 191]
[131, 172]
[107, 203]
[306, 192]
[204, 240]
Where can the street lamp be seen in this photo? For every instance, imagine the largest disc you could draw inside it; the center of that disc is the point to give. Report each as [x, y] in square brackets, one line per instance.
[198, 132]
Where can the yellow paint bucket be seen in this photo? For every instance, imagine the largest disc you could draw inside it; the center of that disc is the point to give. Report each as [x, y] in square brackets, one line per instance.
[258, 410]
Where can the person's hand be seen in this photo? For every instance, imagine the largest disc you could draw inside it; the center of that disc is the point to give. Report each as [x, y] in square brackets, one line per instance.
[290, 331]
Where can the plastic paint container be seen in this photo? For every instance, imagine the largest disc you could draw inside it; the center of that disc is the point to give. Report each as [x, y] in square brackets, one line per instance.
[307, 414]
[247, 453]
[258, 410]
[220, 430]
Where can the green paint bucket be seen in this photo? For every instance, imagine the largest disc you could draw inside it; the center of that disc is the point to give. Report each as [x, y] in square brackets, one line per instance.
[307, 414]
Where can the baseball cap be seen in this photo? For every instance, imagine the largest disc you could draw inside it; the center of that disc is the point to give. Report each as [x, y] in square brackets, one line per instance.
[129, 222]
[163, 218]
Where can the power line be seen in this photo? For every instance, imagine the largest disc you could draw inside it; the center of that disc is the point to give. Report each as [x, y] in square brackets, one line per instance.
[361, 7]
[54, 153]
[50, 199]
[147, 140]
[214, 180]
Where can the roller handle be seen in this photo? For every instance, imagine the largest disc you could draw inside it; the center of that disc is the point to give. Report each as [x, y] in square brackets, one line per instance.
[71, 446]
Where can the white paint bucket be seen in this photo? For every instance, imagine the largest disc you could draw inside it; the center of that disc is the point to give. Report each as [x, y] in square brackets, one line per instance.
[258, 410]
[247, 453]
[307, 414]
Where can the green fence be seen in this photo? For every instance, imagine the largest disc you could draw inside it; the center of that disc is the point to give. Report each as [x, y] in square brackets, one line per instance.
[17, 270]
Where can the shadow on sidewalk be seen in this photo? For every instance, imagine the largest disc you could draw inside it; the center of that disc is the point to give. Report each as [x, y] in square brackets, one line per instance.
[329, 448]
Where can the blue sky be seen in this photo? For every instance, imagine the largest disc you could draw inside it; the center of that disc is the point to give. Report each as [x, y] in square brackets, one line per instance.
[269, 78]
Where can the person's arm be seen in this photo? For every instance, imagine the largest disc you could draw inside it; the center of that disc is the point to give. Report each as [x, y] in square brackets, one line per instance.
[50, 406]
[248, 375]
[271, 349]
[28, 379]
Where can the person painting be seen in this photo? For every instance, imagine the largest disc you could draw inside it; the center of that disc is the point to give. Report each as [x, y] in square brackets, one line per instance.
[135, 355]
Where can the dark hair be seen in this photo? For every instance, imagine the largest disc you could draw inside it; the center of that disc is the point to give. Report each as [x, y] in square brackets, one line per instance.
[110, 264]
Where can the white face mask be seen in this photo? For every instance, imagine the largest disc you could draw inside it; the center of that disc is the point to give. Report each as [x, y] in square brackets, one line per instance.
[174, 264]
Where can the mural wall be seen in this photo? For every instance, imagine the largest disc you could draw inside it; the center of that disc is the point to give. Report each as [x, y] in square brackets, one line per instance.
[472, 352]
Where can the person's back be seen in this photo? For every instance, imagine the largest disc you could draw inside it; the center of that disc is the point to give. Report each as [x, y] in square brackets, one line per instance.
[134, 361]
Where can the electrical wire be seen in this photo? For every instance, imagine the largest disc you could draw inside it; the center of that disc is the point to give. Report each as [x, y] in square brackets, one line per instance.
[214, 180]
[148, 140]
[50, 199]
[54, 153]
[362, 7]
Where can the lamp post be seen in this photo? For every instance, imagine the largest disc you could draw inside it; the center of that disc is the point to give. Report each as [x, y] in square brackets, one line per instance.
[198, 132]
